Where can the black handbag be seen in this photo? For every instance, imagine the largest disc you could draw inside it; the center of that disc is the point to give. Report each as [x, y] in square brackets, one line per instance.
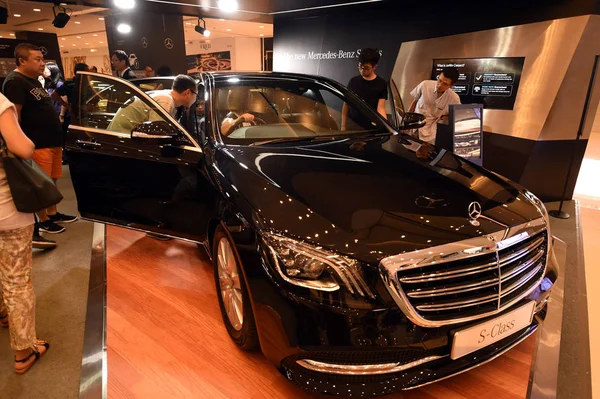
[31, 188]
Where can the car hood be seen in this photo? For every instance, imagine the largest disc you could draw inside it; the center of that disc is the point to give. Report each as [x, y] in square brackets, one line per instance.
[371, 197]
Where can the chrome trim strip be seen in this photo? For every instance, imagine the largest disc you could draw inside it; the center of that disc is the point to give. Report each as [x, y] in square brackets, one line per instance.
[457, 304]
[100, 131]
[363, 369]
[522, 267]
[122, 135]
[450, 274]
[457, 289]
[524, 251]
[143, 230]
[520, 282]
[390, 266]
[93, 381]
[478, 364]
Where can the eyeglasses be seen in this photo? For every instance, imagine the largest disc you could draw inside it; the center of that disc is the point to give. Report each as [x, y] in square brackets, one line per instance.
[365, 67]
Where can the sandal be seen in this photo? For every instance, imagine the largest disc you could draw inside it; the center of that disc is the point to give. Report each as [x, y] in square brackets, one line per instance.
[4, 321]
[36, 353]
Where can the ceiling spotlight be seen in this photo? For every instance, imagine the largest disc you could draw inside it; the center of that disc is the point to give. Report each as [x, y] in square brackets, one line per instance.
[228, 5]
[124, 4]
[202, 29]
[17, 15]
[61, 16]
[37, 10]
[77, 22]
[101, 19]
[124, 28]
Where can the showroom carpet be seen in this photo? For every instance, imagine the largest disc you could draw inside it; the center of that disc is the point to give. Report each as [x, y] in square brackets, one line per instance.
[60, 278]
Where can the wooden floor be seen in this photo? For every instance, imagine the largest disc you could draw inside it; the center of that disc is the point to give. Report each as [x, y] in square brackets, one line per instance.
[166, 339]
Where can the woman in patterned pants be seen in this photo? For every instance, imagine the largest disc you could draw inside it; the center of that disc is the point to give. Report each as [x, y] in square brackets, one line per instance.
[17, 299]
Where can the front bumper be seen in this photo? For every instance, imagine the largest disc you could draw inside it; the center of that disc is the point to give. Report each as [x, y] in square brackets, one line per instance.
[429, 367]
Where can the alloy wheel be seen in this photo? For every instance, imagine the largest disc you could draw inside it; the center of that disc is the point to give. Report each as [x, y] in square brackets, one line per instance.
[229, 284]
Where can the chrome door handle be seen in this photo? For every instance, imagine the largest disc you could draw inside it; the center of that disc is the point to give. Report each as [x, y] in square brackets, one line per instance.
[89, 145]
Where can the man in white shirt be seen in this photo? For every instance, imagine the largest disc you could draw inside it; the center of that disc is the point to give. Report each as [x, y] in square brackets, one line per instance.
[432, 98]
[132, 113]
[120, 63]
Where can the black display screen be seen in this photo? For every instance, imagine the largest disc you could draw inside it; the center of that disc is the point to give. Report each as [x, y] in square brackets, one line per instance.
[492, 82]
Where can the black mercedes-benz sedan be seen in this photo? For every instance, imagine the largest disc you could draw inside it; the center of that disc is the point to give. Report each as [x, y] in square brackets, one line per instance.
[359, 259]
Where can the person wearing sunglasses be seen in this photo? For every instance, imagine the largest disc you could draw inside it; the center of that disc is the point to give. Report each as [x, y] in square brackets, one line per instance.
[432, 98]
[370, 87]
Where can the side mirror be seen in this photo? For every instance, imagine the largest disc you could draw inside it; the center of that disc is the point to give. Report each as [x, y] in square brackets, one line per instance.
[412, 120]
[156, 130]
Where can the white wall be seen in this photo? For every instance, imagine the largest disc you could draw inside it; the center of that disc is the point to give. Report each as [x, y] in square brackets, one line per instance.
[248, 56]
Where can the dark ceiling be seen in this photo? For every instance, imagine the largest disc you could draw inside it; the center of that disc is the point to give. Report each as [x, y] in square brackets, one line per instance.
[250, 10]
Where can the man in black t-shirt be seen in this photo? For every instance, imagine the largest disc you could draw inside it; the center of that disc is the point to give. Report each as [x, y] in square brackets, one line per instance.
[40, 122]
[370, 87]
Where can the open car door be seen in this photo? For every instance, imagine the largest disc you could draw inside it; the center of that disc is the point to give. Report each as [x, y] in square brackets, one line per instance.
[132, 164]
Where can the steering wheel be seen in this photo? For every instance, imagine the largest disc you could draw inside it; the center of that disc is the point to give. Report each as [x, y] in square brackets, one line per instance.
[256, 122]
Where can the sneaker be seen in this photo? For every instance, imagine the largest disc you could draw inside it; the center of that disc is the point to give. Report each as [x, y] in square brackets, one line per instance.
[62, 218]
[50, 227]
[40, 242]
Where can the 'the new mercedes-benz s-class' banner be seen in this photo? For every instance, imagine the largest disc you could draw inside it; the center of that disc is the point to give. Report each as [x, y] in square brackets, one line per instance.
[492, 82]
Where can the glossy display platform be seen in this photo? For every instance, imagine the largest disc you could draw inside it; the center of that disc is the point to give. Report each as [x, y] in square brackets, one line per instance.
[165, 336]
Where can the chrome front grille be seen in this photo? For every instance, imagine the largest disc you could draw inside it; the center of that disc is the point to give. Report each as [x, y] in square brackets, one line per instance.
[469, 279]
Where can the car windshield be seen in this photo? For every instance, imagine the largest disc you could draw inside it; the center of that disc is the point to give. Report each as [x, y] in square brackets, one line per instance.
[251, 111]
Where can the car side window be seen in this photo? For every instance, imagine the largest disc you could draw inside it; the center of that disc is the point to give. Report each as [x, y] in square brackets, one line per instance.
[110, 104]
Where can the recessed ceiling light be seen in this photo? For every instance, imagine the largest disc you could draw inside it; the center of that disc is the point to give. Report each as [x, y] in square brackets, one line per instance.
[188, 23]
[37, 10]
[101, 42]
[62, 45]
[261, 26]
[124, 28]
[221, 19]
[12, 34]
[124, 4]
[95, 34]
[62, 38]
[228, 30]
[93, 50]
[101, 18]
[40, 28]
[73, 45]
[228, 5]
[17, 15]
[261, 35]
[79, 37]
[77, 22]
[86, 44]
[0, 36]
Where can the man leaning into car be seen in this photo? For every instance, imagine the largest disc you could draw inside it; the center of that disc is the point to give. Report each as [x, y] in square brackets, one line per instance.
[432, 99]
[183, 94]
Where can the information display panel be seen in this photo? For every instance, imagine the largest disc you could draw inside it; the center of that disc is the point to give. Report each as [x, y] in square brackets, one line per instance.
[466, 121]
[492, 82]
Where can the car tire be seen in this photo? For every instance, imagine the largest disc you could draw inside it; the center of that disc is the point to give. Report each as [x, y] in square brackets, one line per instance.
[232, 293]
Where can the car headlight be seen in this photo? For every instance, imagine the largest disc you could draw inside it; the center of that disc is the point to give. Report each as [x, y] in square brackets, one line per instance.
[309, 266]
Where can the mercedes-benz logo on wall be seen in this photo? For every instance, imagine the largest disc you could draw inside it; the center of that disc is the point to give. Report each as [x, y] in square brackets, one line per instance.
[169, 43]
[43, 50]
[144, 42]
[474, 213]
